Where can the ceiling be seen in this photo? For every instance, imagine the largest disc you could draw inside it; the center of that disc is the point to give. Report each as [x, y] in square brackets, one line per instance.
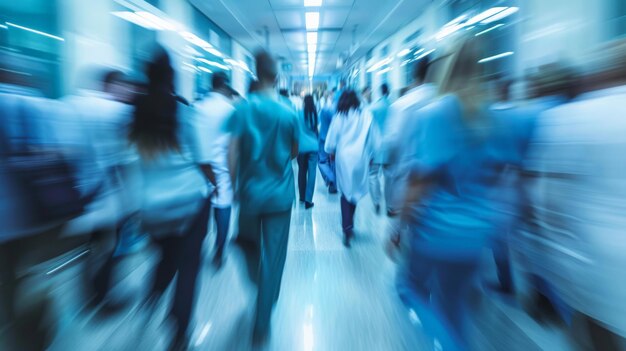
[348, 29]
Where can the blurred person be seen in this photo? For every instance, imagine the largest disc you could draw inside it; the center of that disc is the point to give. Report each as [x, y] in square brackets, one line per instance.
[449, 209]
[41, 192]
[326, 163]
[175, 205]
[348, 142]
[307, 157]
[105, 120]
[214, 112]
[399, 144]
[264, 142]
[379, 112]
[577, 162]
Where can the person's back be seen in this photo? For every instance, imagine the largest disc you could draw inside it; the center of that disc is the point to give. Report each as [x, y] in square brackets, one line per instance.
[267, 129]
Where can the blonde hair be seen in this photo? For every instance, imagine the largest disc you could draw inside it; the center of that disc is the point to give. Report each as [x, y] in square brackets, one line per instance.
[463, 77]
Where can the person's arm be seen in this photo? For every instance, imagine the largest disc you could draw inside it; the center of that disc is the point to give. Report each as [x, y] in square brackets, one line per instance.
[233, 158]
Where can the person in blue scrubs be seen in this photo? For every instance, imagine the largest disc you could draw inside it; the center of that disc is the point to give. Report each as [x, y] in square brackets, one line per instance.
[264, 141]
[453, 181]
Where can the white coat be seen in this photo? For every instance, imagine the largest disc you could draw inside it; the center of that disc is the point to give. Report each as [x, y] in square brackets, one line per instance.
[348, 139]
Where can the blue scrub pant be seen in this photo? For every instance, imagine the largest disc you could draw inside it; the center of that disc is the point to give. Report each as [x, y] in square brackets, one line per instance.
[263, 239]
[307, 170]
[327, 168]
[437, 291]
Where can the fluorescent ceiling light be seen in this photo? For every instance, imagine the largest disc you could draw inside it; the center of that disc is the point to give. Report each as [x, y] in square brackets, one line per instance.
[419, 51]
[456, 20]
[446, 31]
[213, 63]
[425, 54]
[34, 31]
[136, 19]
[3, 26]
[195, 40]
[158, 21]
[404, 52]
[213, 51]
[495, 57]
[489, 29]
[310, 3]
[382, 71]
[484, 15]
[312, 20]
[501, 15]
[312, 48]
[202, 68]
[311, 38]
[380, 64]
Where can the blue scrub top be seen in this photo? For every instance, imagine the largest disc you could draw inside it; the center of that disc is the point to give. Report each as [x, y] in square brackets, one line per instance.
[267, 130]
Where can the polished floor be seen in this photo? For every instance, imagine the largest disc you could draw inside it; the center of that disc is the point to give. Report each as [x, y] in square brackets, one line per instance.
[332, 298]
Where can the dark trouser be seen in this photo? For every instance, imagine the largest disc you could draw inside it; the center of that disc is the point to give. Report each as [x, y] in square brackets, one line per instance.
[347, 215]
[307, 164]
[438, 292]
[222, 222]
[100, 262]
[503, 264]
[327, 167]
[263, 239]
[182, 255]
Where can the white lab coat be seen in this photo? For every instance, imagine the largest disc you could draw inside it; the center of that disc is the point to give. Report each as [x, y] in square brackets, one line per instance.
[579, 149]
[212, 114]
[348, 139]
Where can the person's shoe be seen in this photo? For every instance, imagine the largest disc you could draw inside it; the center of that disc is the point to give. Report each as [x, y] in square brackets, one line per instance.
[332, 189]
[347, 236]
[260, 338]
[308, 205]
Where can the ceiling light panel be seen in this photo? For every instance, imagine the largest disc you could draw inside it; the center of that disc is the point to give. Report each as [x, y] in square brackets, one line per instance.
[312, 20]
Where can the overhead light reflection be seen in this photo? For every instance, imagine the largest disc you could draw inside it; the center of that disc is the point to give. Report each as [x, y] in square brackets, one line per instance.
[495, 57]
[425, 54]
[489, 29]
[404, 52]
[312, 3]
[509, 11]
[48, 35]
[484, 15]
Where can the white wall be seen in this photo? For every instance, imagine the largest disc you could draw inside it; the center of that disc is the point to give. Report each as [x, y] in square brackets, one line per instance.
[93, 37]
[239, 79]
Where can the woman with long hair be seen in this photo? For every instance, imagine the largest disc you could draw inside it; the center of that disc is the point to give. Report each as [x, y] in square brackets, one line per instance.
[175, 206]
[451, 209]
[348, 141]
[307, 159]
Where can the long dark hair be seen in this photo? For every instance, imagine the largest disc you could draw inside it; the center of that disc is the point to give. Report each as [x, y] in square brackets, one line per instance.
[348, 101]
[310, 113]
[154, 128]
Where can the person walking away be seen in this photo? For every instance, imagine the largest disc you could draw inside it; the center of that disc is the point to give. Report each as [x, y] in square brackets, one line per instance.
[264, 142]
[175, 205]
[399, 143]
[213, 113]
[348, 141]
[452, 181]
[307, 158]
[104, 120]
[326, 164]
[379, 113]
